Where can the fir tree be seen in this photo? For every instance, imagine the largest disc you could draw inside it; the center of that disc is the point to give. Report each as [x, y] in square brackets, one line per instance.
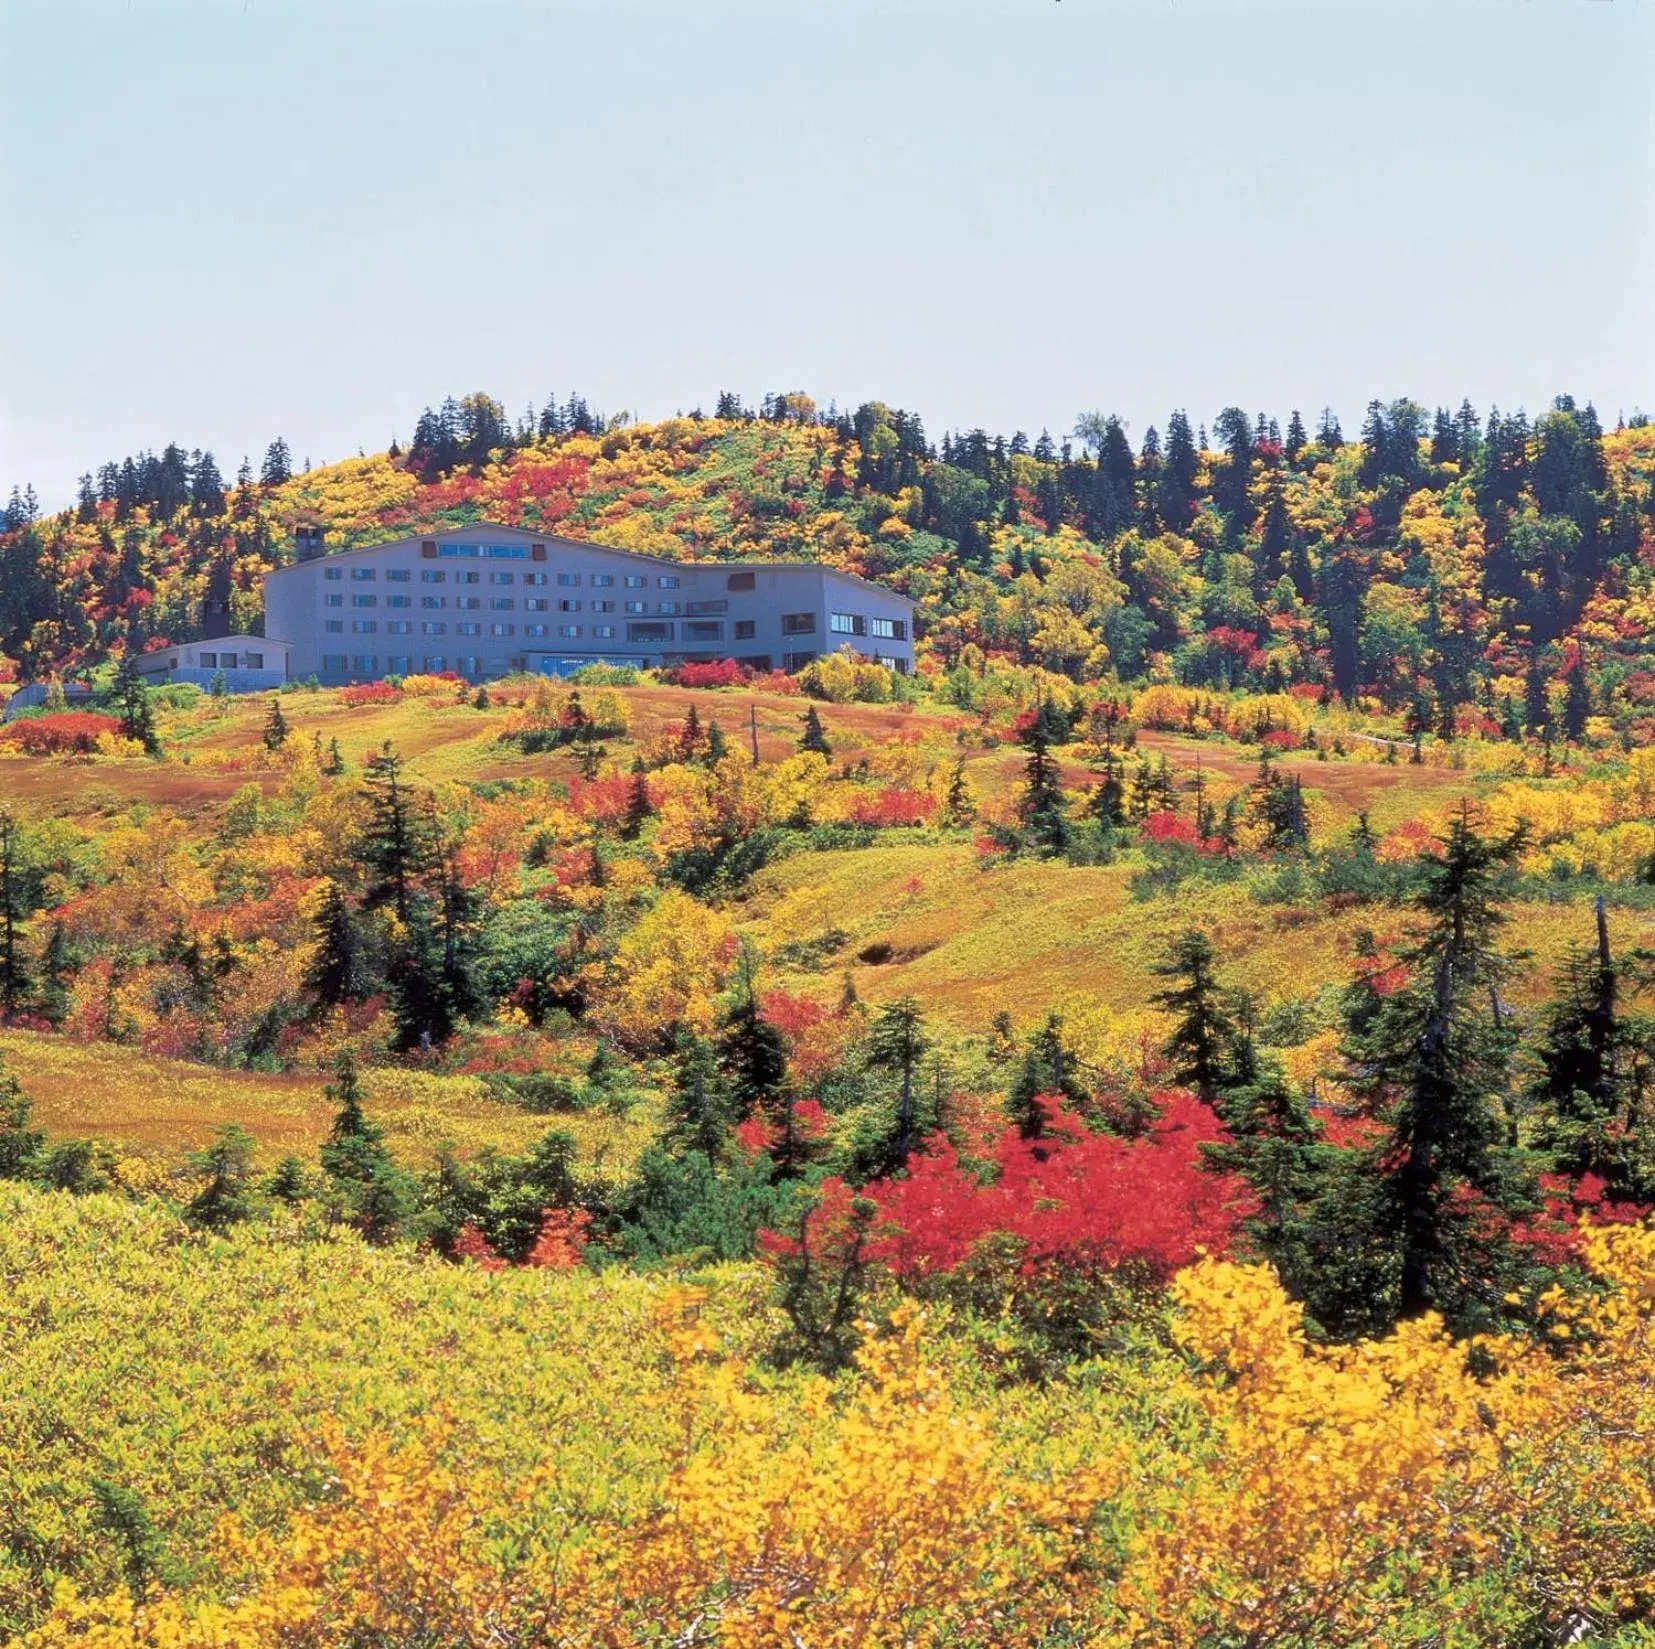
[1047, 1068]
[275, 727]
[897, 1042]
[1434, 1059]
[959, 801]
[698, 1102]
[334, 970]
[638, 805]
[368, 1188]
[132, 703]
[751, 1053]
[227, 1164]
[814, 738]
[393, 848]
[1040, 807]
[1201, 1047]
[18, 886]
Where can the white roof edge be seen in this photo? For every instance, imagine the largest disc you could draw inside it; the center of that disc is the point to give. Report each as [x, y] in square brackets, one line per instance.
[529, 534]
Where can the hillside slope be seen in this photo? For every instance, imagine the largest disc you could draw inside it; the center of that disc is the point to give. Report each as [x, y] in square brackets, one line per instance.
[1497, 568]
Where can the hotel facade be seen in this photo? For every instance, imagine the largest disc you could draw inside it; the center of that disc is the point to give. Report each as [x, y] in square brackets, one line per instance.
[487, 601]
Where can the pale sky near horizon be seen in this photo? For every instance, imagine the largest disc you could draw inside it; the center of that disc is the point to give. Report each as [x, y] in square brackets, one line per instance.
[232, 219]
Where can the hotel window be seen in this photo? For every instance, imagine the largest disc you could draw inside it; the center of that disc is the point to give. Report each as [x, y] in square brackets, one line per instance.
[363, 575]
[471, 666]
[435, 663]
[252, 661]
[797, 661]
[745, 629]
[465, 577]
[432, 602]
[430, 629]
[637, 606]
[502, 629]
[847, 624]
[399, 575]
[333, 574]
[536, 604]
[430, 575]
[667, 581]
[502, 578]
[603, 606]
[568, 606]
[469, 603]
[503, 604]
[334, 600]
[704, 629]
[649, 632]
[568, 631]
[364, 601]
[333, 627]
[364, 627]
[209, 661]
[538, 580]
[636, 581]
[603, 581]
[890, 629]
[399, 601]
[699, 608]
[568, 580]
[333, 661]
[604, 632]
[740, 581]
[399, 665]
[227, 661]
[666, 607]
[365, 663]
[468, 629]
[798, 624]
[534, 629]
[399, 627]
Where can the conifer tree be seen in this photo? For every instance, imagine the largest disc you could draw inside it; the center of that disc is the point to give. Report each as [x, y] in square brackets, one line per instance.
[751, 1053]
[698, 1102]
[393, 848]
[1202, 1043]
[1040, 807]
[18, 884]
[132, 702]
[334, 971]
[897, 1042]
[1434, 1061]
[1047, 1067]
[814, 738]
[1589, 1089]
[275, 727]
[959, 801]
[369, 1189]
[227, 1197]
[638, 805]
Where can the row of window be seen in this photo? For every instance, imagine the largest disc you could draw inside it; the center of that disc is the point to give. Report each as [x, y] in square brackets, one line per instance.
[399, 664]
[855, 624]
[230, 661]
[436, 575]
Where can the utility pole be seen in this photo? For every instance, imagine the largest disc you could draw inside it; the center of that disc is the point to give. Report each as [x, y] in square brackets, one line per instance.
[753, 729]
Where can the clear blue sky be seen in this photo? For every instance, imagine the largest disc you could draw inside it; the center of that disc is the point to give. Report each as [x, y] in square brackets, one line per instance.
[231, 219]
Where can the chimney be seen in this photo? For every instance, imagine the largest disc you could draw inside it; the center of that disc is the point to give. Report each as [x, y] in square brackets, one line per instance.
[308, 543]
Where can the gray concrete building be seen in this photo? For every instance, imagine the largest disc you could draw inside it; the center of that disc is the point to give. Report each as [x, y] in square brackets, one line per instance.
[487, 601]
[248, 664]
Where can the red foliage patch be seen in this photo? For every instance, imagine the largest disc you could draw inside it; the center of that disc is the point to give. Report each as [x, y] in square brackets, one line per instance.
[892, 809]
[723, 673]
[70, 731]
[1073, 1197]
[369, 692]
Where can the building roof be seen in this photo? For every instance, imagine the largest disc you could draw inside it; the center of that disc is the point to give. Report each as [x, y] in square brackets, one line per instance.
[528, 534]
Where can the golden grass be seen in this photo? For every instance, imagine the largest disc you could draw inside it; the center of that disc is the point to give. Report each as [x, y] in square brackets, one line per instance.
[167, 1106]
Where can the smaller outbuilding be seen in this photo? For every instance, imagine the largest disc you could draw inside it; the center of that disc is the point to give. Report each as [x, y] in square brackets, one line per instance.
[248, 664]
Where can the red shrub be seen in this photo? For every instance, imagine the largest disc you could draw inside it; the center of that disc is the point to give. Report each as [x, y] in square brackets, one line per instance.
[724, 673]
[892, 808]
[562, 1239]
[72, 730]
[369, 692]
[1072, 1197]
[1279, 738]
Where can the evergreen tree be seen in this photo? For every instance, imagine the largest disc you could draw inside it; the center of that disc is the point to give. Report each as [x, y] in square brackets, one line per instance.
[132, 702]
[368, 1189]
[394, 848]
[959, 801]
[1040, 807]
[275, 727]
[1433, 1060]
[751, 1052]
[19, 883]
[227, 1164]
[698, 1102]
[814, 738]
[1589, 1089]
[897, 1042]
[638, 805]
[21, 1147]
[1577, 706]
[278, 464]
[1176, 495]
[1047, 1068]
[334, 973]
[1201, 1047]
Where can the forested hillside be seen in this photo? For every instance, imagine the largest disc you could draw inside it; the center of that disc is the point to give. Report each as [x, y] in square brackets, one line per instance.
[1458, 564]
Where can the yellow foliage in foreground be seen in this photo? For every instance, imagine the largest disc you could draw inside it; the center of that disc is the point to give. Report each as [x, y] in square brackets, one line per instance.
[1284, 1493]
